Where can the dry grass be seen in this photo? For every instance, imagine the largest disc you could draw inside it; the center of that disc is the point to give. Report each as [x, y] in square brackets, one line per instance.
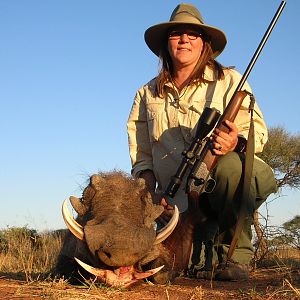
[28, 255]
[28, 258]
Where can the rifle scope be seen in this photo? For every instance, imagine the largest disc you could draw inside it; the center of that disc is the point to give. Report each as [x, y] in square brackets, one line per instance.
[206, 123]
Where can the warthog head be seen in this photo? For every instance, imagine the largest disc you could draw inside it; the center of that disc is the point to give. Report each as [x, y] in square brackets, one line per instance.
[116, 228]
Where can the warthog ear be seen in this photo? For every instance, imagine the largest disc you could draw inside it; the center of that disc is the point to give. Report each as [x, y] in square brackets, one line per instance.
[151, 211]
[96, 180]
[78, 206]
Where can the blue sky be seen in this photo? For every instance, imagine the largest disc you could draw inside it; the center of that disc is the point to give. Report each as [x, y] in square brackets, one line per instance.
[69, 70]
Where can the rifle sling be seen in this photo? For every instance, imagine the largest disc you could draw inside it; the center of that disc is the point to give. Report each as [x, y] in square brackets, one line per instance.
[246, 200]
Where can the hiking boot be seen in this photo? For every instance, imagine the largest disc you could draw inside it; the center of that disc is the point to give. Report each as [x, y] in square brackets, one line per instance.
[231, 271]
[202, 273]
[205, 274]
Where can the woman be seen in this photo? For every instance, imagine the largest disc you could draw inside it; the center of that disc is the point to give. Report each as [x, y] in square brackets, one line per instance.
[163, 120]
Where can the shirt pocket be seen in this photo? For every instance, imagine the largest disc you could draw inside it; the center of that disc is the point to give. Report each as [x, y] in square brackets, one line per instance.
[155, 118]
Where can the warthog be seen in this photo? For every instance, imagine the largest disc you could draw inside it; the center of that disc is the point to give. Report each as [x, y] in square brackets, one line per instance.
[114, 236]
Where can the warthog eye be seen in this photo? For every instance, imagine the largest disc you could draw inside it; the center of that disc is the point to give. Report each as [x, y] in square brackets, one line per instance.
[107, 254]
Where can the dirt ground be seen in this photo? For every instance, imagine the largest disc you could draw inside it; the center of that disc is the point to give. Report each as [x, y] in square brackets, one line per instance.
[275, 283]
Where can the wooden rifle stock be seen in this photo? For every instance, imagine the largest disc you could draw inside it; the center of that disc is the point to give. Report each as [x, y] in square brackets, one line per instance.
[229, 114]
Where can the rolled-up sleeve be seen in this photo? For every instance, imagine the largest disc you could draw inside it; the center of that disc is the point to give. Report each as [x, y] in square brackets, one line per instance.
[138, 136]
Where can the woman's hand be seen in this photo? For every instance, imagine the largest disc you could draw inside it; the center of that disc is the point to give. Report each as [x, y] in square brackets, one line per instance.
[223, 142]
[168, 212]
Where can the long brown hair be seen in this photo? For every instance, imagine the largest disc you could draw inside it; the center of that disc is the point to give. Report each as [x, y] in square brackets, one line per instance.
[197, 76]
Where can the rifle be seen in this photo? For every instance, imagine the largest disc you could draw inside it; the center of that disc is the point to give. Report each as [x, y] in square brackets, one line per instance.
[201, 162]
[199, 155]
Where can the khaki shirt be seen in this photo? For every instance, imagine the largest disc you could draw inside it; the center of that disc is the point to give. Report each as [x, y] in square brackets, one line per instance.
[159, 130]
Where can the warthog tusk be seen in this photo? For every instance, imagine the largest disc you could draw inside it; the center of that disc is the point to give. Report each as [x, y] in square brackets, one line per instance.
[118, 278]
[168, 229]
[73, 226]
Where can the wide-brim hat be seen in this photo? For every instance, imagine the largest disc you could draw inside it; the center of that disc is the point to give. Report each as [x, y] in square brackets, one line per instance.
[184, 14]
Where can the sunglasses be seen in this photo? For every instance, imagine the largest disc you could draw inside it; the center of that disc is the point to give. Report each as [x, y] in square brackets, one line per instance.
[176, 34]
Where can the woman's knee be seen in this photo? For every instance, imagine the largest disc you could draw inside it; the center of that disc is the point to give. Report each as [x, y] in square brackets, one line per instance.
[229, 167]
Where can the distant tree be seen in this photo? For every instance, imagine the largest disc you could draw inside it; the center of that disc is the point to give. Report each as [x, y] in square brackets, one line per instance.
[292, 231]
[282, 153]
[289, 234]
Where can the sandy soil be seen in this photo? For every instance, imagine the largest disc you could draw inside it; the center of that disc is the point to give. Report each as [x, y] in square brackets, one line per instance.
[276, 283]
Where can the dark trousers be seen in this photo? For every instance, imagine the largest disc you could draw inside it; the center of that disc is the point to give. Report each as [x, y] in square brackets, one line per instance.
[224, 203]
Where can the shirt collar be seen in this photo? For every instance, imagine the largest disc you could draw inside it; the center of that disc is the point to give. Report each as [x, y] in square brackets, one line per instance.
[210, 74]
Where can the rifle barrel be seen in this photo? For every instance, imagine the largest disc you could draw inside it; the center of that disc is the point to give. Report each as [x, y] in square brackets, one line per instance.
[260, 46]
